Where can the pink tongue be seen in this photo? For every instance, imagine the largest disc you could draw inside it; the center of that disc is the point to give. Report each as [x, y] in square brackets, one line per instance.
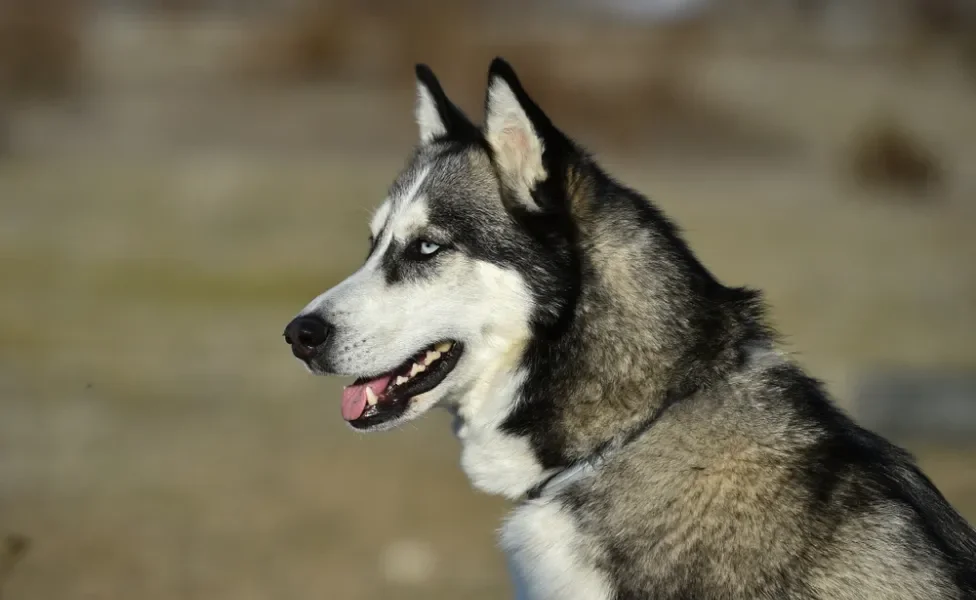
[354, 397]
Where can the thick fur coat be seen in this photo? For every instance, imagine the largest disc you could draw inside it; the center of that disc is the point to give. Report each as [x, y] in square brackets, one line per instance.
[658, 443]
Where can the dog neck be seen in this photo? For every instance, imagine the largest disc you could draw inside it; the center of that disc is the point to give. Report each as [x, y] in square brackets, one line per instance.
[555, 483]
[534, 430]
[643, 325]
[650, 327]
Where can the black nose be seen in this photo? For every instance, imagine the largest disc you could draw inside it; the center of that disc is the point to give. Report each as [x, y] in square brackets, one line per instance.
[305, 335]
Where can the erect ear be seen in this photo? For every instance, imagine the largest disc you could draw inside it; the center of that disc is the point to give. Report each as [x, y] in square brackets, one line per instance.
[522, 139]
[438, 117]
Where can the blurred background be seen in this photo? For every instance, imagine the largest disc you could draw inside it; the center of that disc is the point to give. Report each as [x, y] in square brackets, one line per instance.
[179, 177]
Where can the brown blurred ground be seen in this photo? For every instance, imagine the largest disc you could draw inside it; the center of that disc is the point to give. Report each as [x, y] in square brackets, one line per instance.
[160, 226]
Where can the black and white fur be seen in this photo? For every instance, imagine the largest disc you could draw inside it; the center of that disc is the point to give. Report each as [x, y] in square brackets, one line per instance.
[658, 443]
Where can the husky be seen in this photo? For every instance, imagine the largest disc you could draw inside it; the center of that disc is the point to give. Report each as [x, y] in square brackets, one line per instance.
[655, 439]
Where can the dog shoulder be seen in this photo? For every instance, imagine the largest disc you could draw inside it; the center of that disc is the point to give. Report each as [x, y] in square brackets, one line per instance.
[884, 523]
[894, 528]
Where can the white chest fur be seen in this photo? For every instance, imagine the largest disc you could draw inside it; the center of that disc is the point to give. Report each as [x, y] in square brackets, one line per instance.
[547, 555]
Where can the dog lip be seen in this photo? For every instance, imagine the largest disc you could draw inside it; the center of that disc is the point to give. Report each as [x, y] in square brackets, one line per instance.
[394, 402]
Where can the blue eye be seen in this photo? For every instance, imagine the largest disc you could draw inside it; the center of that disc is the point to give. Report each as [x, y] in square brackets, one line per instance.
[427, 248]
[423, 249]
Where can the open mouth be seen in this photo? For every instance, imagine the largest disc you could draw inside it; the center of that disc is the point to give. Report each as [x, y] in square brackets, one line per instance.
[371, 401]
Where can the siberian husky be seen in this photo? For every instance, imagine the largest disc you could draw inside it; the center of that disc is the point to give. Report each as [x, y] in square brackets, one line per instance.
[657, 442]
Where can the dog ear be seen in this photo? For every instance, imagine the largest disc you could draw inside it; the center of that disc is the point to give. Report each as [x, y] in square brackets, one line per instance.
[525, 145]
[438, 117]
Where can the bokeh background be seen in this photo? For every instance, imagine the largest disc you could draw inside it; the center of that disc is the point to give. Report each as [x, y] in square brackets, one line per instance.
[179, 177]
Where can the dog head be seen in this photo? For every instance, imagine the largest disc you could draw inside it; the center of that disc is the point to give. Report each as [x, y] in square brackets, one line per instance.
[469, 257]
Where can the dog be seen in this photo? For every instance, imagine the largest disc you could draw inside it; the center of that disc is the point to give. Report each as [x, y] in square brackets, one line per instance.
[657, 442]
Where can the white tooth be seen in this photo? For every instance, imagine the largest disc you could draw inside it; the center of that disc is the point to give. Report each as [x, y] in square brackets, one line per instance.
[401, 380]
[443, 346]
[371, 398]
[416, 368]
[431, 357]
